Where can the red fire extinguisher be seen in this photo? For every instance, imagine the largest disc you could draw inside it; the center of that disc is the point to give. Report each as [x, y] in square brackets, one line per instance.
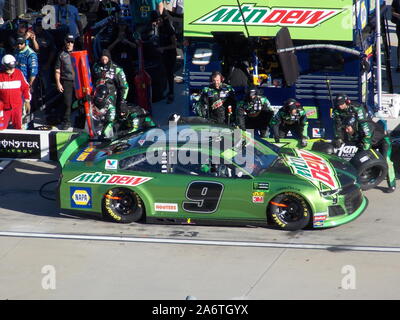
[142, 83]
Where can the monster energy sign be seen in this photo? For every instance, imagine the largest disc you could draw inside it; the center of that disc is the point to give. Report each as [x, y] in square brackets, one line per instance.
[20, 146]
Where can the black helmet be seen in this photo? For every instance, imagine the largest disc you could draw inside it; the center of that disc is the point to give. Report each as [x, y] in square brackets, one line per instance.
[350, 122]
[100, 96]
[252, 92]
[291, 104]
[340, 99]
[124, 109]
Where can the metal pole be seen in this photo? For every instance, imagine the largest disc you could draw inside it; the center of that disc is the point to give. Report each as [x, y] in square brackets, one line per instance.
[378, 52]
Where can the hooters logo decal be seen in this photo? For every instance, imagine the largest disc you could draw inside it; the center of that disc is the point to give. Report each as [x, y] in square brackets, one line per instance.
[313, 168]
[267, 16]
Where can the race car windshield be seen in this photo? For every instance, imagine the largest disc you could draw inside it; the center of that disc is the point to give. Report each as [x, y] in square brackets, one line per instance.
[252, 160]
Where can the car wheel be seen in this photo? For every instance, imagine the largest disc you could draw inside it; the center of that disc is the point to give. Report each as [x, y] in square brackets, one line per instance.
[289, 211]
[123, 205]
[371, 168]
[396, 154]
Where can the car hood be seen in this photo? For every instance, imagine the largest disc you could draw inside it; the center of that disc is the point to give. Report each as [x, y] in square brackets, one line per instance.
[98, 151]
[324, 171]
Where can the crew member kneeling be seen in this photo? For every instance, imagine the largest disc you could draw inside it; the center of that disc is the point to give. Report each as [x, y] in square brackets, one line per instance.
[370, 135]
[291, 117]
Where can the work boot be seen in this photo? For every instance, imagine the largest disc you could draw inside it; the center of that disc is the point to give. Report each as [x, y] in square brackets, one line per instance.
[390, 189]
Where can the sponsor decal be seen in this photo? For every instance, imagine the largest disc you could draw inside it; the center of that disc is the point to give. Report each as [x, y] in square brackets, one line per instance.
[84, 154]
[261, 185]
[81, 197]
[111, 164]
[166, 207]
[364, 159]
[14, 145]
[268, 16]
[346, 151]
[318, 224]
[320, 217]
[311, 112]
[313, 168]
[109, 179]
[318, 132]
[258, 197]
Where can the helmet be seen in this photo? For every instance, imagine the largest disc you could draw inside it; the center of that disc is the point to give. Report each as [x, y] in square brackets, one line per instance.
[100, 96]
[340, 99]
[252, 92]
[291, 104]
[350, 122]
[8, 61]
[125, 108]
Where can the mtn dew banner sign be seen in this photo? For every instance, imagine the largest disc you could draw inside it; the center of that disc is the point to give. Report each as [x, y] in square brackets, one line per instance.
[306, 19]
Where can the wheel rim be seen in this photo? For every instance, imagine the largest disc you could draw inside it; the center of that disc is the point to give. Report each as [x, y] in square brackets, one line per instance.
[370, 175]
[289, 209]
[123, 202]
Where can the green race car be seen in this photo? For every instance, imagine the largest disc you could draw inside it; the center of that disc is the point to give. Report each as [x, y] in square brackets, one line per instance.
[201, 174]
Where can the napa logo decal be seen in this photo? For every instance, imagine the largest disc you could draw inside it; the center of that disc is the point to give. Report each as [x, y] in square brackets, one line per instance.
[268, 16]
[313, 168]
[81, 197]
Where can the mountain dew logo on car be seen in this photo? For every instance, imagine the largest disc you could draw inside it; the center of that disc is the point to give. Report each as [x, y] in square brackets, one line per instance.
[314, 168]
[266, 16]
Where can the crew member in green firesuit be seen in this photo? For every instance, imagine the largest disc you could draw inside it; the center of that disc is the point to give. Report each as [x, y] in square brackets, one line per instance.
[108, 73]
[368, 135]
[217, 101]
[133, 118]
[343, 109]
[104, 111]
[254, 112]
[291, 117]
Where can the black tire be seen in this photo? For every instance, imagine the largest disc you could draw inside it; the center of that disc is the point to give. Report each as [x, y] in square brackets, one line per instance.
[289, 211]
[322, 146]
[396, 154]
[123, 206]
[371, 168]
